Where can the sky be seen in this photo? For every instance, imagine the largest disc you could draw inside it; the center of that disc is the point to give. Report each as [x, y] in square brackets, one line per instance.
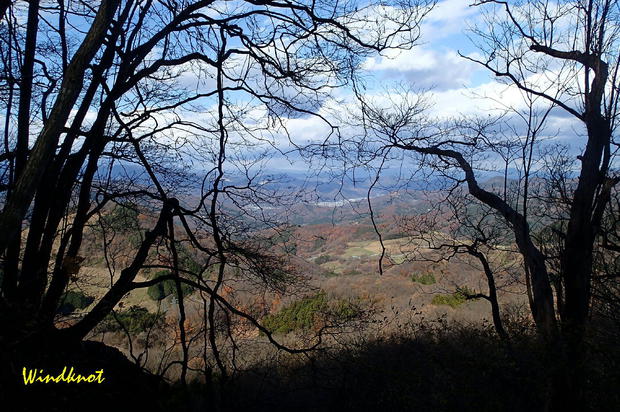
[435, 61]
[456, 86]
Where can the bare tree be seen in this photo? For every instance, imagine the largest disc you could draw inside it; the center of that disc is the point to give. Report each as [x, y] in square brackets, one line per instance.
[454, 228]
[115, 105]
[565, 55]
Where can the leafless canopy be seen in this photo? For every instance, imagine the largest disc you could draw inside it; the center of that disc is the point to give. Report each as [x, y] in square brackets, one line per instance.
[165, 108]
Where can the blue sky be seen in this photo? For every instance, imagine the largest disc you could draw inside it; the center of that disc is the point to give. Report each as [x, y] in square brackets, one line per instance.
[435, 61]
[455, 85]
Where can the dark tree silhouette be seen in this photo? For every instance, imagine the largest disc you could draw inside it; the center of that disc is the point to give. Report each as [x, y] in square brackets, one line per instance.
[115, 103]
[563, 58]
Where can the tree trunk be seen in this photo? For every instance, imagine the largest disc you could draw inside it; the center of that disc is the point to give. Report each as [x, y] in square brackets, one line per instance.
[43, 151]
[576, 264]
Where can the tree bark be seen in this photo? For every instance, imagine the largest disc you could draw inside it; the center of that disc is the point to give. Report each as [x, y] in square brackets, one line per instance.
[495, 311]
[45, 147]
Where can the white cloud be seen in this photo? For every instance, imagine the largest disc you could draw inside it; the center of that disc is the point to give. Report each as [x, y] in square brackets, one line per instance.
[426, 68]
[435, 63]
[449, 17]
[403, 60]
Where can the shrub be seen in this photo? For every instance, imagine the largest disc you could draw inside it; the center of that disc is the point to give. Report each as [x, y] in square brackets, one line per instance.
[324, 259]
[424, 279]
[122, 218]
[345, 310]
[136, 319]
[352, 272]
[166, 288]
[307, 312]
[73, 300]
[298, 315]
[319, 242]
[187, 261]
[455, 299]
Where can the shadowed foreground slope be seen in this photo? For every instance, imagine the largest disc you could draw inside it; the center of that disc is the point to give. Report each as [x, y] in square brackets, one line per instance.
[435, 368]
